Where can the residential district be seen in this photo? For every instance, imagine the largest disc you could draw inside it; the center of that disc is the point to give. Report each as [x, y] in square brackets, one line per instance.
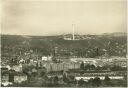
[31, 61]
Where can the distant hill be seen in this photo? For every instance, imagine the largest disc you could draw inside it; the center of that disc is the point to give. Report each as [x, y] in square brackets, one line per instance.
[90, 46]
[116, 34]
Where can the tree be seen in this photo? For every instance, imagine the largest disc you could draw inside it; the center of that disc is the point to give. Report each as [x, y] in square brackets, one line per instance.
[92, 67]
[97, 81]
[82, 66]
[34, 74]
[90, 82]
[81, 82]
[72, 77]
[89, 67]
[117, 68]
[125, 77]
[56, 79]
[65, 78]
[42, 73]
[98, 68]
[107, 80]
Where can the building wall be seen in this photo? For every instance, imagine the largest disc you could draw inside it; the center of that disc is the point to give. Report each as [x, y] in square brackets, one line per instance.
[5, 78]
[101, 77]
[19, 79]
[61, 66]
[17, 68]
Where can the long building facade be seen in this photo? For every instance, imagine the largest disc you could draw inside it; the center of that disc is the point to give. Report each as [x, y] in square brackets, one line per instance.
[59, 66]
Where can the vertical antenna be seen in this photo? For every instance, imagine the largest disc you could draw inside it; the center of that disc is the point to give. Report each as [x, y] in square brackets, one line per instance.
[73, 32]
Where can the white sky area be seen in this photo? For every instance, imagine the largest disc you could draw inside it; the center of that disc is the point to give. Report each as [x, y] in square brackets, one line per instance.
[56, 17]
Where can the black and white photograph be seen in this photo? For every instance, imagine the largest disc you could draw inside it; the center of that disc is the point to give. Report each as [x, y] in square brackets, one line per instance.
[63, 43]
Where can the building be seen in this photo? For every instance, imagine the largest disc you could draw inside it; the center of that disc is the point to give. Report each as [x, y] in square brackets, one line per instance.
[17, 68]
[5, 79]
[20, 77]
[48, 58]
[86, 78]
[50, 66]
[112, 75]
[16, 77]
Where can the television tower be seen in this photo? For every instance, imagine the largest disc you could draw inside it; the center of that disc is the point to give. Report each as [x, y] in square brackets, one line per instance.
[73, 32]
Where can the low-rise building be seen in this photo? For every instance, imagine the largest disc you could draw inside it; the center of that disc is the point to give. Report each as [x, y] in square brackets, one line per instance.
[46, 58]
[20, 77]
[17, 68]
[86, 78]
[61, 66]
[5, 79]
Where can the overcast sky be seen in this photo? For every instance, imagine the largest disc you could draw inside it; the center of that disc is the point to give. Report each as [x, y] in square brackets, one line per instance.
[56, 17]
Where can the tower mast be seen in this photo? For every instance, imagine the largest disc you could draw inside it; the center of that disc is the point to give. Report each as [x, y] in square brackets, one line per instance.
[73, 32]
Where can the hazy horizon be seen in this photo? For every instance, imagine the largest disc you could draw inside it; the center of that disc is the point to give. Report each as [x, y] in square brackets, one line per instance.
[56, 17]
